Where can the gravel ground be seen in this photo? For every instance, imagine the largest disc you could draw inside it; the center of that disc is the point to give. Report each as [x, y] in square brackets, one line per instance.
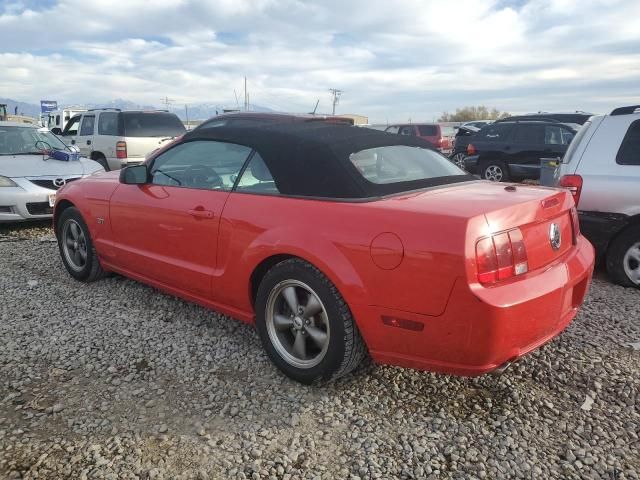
[116, 380]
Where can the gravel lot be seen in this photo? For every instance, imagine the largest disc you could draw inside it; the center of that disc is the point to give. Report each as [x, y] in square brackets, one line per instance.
[116, 380]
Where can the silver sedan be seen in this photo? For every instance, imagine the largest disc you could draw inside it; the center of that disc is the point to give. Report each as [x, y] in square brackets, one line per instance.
[34, 163]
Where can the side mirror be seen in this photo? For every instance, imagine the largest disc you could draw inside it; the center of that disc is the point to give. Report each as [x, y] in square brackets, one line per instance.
[134, 175]
[56, 131]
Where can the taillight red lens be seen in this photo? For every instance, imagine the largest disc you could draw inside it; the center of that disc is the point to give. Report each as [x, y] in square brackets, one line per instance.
[471, 150]
[574, 184]
[501, 256]
[121, 150]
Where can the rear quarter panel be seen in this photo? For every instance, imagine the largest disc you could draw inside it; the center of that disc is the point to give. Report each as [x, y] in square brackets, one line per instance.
[336, 238]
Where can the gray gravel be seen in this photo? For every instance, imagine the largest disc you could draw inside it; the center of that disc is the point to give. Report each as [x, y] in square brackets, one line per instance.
[115, 380]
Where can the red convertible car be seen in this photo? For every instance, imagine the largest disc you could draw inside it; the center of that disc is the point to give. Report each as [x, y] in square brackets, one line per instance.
[338, 242]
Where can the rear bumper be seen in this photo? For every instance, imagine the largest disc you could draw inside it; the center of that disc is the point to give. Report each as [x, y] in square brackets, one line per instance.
[484, 328]
[471, 163]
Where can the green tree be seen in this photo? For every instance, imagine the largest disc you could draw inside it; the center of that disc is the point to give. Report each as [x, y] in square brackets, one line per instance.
[467, 114]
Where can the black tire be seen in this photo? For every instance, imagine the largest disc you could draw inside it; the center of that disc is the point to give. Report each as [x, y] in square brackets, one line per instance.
[88, 269]
[102, 161]
[489, 171]
[346, 348]
[619, 255]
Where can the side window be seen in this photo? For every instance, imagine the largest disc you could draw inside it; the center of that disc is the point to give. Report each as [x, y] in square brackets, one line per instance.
[496, 133]
[88, 122]
[530, 134]
[408, 130]
[202, 164]
[554, 136]
[428, 130]
[393, 129]
[108, 123]
[629, 153]
[257, 178]
[57, 120]
[72, 126]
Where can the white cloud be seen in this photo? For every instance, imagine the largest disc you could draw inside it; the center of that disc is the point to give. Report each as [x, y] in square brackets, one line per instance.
[393, 60]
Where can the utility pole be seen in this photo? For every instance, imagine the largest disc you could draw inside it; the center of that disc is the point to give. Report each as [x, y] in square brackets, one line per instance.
[186, 112]
[336, 98]
[167, 101]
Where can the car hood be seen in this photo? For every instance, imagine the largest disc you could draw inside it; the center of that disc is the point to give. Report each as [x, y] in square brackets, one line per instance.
[36, 165]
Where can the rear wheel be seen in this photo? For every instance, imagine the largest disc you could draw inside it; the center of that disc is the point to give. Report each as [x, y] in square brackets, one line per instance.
[305, 325]
[76, 248]
[623, 258]
[495, 171]
[458, 159]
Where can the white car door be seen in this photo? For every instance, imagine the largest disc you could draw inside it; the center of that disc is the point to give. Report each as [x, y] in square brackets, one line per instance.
[85, 135]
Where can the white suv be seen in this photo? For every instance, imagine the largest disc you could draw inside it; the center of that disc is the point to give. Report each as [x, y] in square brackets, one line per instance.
[116, 139]
[602, 170]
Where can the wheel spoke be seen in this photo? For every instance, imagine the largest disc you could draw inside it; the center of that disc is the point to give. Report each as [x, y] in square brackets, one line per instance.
[75, 230]
[291, 298]
[300, 345]
[69, 242]
[83, 254]
[77, 259]
[317, 336]
[313, 306]
[282, 322]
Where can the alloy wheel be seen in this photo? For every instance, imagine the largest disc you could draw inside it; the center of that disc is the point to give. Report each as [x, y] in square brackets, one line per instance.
[493, 173]
[631, 263]
[297, 324]
[458, 160]
[74, 245]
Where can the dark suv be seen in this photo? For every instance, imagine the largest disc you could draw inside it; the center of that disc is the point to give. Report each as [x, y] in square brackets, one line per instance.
[505, 151]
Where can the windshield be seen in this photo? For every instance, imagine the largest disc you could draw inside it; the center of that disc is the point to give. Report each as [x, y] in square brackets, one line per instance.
[23, 140]
[573, 146]
[152, 124]
[401, 163]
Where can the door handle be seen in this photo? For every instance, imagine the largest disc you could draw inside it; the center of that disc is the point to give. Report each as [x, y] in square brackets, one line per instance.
[88, 142]
[201, 213]
[73, 142]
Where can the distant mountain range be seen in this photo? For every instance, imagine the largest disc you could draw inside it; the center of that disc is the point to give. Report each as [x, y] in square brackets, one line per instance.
[196, 111]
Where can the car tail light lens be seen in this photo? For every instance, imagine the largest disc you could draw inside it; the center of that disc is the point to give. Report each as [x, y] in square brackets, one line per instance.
[501, 256]
[574, 184]
[121, 150]
[471, 150]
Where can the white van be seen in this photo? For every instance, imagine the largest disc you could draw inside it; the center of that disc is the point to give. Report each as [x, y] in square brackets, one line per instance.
[115, 139]
[58, 119]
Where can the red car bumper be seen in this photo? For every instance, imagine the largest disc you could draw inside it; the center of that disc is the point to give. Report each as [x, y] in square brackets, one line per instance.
[482, 329]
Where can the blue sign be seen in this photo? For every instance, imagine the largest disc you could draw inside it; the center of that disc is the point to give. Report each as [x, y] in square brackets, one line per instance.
[47, 106]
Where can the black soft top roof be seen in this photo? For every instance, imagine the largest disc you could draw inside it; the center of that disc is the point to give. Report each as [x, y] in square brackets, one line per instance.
[312, 159]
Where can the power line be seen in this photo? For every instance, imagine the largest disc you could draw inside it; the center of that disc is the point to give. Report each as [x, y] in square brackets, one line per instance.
[167, 101]
[336, 98]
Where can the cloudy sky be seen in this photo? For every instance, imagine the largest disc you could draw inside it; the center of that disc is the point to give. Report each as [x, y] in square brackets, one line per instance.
[394, 60]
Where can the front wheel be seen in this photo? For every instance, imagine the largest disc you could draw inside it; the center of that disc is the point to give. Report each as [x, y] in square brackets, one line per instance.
[623, 258]
[305, 325]
[76, 248]
[495, 172]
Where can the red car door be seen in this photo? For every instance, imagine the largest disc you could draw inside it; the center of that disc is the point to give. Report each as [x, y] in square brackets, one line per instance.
[167, 229]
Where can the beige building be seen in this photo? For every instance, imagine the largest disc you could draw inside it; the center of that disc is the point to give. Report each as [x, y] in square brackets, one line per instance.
[357, 119]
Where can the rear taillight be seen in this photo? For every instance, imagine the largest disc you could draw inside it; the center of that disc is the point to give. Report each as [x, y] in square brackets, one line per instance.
[574, 184]
[121, 150]
[471, 150]
[501, 256]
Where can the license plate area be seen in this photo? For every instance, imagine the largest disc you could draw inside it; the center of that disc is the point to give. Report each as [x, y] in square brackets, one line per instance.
[52, 199]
